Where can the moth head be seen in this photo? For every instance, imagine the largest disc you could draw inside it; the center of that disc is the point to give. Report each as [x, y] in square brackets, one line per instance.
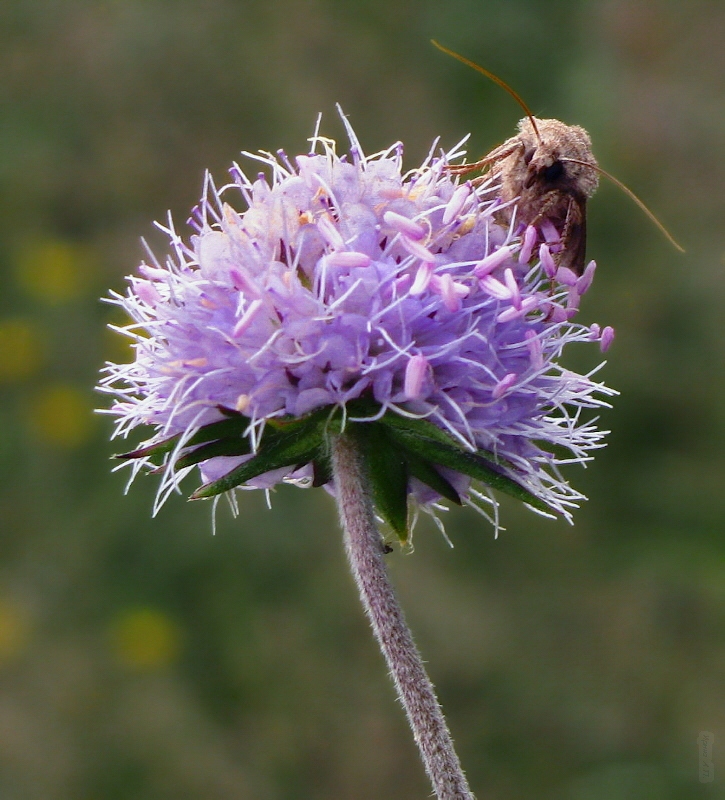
[548, 152]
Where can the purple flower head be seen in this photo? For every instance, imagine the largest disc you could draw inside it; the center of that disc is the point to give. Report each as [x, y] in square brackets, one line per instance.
[350, 295]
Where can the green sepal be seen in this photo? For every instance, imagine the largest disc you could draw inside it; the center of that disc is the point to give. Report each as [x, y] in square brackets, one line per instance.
[283, 453]
[433, 445]
[157, 449]
[387, 472]
[321, 470]
[427, 474]
[393, 447]
[221, 447]
[224, 428]
[469, 463]
[285, 442]
[419, 426]
[423, 427]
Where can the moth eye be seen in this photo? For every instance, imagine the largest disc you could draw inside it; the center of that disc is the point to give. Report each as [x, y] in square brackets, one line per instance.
[529, 154]
[556, 170]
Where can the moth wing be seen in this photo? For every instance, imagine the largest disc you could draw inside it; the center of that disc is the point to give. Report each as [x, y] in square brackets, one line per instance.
[574, 235]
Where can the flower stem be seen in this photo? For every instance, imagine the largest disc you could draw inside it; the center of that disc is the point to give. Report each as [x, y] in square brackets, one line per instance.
[364, 547]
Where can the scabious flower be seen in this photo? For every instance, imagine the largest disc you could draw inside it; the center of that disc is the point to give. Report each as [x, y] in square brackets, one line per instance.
[349, 295]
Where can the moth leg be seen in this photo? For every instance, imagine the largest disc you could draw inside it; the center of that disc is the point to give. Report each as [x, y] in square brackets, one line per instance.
[574, 235]
[551, 200]
[497, 154]
[573, 218]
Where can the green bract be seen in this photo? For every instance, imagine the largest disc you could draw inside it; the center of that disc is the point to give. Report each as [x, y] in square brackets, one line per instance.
[394, 448]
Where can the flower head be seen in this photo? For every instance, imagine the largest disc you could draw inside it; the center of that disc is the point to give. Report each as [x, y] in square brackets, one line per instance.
[351, 295]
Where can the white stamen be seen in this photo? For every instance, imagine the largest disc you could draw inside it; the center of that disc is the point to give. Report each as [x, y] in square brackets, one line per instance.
[422, 279]
[500, 389]
[348, 258]
[416, 249]
[247, 318]
[495, 288]
[547, 261]
[330, 233]
[607, 339]
[456, 203]
[585, 281]
[404, 225]
[493, 260]
[415, 372]
[527, 246]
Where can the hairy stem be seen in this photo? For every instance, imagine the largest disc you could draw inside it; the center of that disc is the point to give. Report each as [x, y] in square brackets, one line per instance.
[364, 548]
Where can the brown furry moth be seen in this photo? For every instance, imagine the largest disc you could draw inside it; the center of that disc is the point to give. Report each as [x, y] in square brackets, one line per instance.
[550, 168]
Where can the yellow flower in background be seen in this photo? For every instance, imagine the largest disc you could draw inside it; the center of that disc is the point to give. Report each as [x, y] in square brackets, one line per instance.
[145, 639]
[54, 271]
[61, 415]
[20, 350]
[14, 630]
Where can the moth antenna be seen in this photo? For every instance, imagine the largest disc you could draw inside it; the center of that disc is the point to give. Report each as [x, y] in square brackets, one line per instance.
[472, 64]
[631, 195]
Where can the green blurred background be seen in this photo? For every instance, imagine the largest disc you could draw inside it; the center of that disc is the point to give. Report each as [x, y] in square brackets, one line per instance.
[144, 659]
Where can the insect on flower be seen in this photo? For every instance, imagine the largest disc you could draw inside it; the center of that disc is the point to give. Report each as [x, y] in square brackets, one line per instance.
[549, 168]
[350, 296]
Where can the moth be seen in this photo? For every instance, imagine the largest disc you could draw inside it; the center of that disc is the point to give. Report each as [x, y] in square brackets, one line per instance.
[548, 167]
